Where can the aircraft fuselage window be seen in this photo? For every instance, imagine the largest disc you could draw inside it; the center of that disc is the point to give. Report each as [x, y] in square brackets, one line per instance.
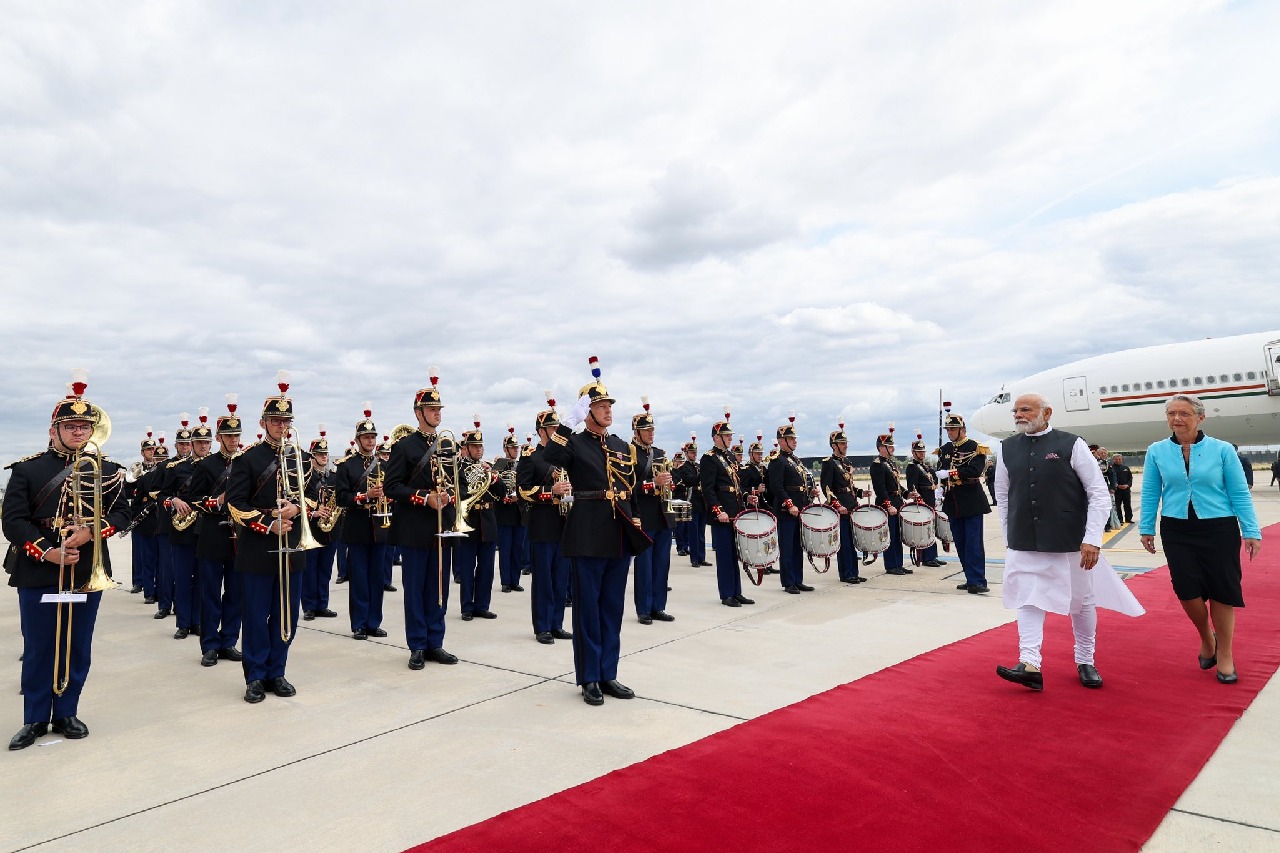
[1102, 390]
[1222, 378]
[1236, 377]
[1146, 385]
[1114, 389]
[1160, 384]
[1198, 381]
[1124, 387]
[1251, 375]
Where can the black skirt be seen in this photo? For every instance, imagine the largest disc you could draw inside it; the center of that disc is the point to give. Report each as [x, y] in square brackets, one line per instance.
[1204, 558]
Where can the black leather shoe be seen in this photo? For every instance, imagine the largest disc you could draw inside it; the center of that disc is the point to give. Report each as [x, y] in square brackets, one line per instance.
[733, 602]
[326, 613]
[340, 580]
[1021, 675]
[895, 571]
[792, 590]
[70, 727]
[135, 590]
[848, 580]
[254, 692]
[375, 632]
[742, 599]
[484, 614]
[182, 633]
[231, 653]
[616, 689]
[975, 589]
[591, 694]
[561, 634]
[27, 735]
[662, 616]
[964, 586]
[506, 588]
[161, 614]
[705, 564]
[308, 615]
[209, 658]
[526, 571]
[467, 617]
[866, 561]
[441, 656]
[545, 638]
[386, 587]
[680, 553]
[1209, 662]
[151, 599]
[804, 587]
[644, 619]
[859, 579]
[907, 571]
[933, 564]
[1089, 675]
[1222, 678]
[281, 687]
[417, 659]
[517, 588]
[359, 634]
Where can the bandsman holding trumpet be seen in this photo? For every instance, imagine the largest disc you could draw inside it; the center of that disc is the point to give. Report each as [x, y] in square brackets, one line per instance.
[326, 521]
[146, 547]
[263, 497]
[360, 486]
[511, 529]
[60, 508]
[544, 488]
[653, 478]
[169, 511]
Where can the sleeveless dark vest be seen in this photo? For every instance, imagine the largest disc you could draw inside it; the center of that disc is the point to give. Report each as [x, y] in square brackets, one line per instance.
[1048, 506]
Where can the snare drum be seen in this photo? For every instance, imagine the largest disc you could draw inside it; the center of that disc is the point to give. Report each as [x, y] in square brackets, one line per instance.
[820, 531]
[917, 524]
[680, 510]
[755, 532]
[942, 527]
[870, 529]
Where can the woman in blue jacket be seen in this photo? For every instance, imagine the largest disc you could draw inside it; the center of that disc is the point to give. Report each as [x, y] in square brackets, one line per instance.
[1205, 507]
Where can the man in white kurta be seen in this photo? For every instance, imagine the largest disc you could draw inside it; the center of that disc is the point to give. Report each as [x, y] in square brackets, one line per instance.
[1070, 582]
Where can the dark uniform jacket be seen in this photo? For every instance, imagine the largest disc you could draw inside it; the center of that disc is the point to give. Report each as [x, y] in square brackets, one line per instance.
[686, 485]
[142, 505]
[482, 515]
[837, 482]
[359, 525]
[252, 490]
[30, 506]
[1121, 475]
[507, 508]
[602, 470]
[209, 479]
[174, 484]
[788, 484]
[721, 486]
[411, 475]
[534, 477]
[886, 482]
[753, 479]
[922, 479]
[648, 499]
[963, 496]
[315, 481]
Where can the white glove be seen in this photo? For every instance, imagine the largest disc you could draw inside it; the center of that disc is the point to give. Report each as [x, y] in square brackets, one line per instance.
[579, 412]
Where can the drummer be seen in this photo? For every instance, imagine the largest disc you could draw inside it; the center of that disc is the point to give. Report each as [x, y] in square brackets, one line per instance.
[837, 485]
[789, 488]
[722, 490]
[921, 483]
[886, 480]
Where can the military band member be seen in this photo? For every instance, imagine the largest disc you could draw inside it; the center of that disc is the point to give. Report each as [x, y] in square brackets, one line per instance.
[544, 488]
[725, 497]
[842, 494]
[791, 491]
[51, 531]
[146, 545]
[684, 478]
[653, 565]
[361, 494]
[475, 553]
[221, 587]
[921, 484]
[962, 463]
[390, 554]
[601, 535]
[183, 529]
[423, 507]
[258, 497]
[323, 512]
[164, 574]
[886, 482]
[511, 530]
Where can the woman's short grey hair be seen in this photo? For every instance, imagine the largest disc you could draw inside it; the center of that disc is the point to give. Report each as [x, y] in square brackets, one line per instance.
[1190, 399]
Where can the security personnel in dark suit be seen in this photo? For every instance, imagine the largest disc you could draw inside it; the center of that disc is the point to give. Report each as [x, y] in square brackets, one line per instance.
[360, 485]
[544, 488]
[791, 490]
[262, 499]
[886, 482]
[1122, 479]
[921, 482]
[684, 476]
[175, 493]
[475, 553]
[722, 489]
[511, 529]
[601, 534]
[52, 549]
[417, 480]
[142, 506]
[221, 588]
[962, 462]
[322, 507]
[842, 494]
[653, 565]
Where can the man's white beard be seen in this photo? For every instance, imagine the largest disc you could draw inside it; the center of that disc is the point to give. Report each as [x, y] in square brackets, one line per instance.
[1031, 426]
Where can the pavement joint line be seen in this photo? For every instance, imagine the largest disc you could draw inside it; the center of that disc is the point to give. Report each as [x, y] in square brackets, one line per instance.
[1220, 819]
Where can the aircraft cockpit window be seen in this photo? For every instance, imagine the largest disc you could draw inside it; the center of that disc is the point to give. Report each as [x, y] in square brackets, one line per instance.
[1002, 397]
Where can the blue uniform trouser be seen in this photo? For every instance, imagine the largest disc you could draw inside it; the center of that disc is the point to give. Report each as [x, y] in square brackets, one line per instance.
[652, 570]
[164, 574]
[847, 556]
[364, 584]
[342, 561]
[388, 561]
[39, 627]
[315, 577]
[426, 596]
[475, 567]
[970, 548]
[790, 550]
[186, 598]
[698, 538]
[526, 555]
[265, 651]
[728, 578]
[146, 562]
[550, 587]
[924, 555]
[682, 536]
[221, 604]
[893, 557]
[510, 547]
[599, 595]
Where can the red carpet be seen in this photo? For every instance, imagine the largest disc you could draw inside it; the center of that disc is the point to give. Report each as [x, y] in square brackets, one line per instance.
[937, 753]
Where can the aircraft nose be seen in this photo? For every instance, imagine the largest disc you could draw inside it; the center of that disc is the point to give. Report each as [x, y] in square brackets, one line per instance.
[983, 419]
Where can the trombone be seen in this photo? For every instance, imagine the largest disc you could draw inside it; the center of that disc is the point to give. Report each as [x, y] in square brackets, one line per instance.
[289, 493]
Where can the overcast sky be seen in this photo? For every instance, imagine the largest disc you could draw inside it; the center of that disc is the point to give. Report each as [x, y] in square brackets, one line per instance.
[838, 208]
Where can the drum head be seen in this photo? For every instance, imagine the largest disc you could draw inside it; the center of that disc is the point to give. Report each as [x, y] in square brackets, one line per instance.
[917, 514]
[755, 523]
[869, 517]
[819, 517]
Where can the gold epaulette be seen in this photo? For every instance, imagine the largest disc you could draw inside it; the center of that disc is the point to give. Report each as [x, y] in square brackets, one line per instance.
[984, 450]
[24, 459]
[528, 451]
[177, 461]
[243, 518]
[528, 493]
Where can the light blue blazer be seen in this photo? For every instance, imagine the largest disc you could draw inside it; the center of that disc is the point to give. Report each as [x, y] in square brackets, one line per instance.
[1216, 487]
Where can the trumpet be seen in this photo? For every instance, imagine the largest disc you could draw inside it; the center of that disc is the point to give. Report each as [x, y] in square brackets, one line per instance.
[289, 493]
[559, 475]
[381, 509]
[327, 497]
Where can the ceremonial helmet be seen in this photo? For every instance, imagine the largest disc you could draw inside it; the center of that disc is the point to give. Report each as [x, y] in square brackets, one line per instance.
[149, 441]
[722, 427]
[953, 421]
[202, 432]
[547, 418]
[919, 444]
[429, 398]
[366, 426]
[595, 390]
[644, 420]
[838, 435]
[511, 440]
[229, 424]
[691, 446]
[788, 430]
[279, 406]
[473, 436]
[184, 431]
[321, 444]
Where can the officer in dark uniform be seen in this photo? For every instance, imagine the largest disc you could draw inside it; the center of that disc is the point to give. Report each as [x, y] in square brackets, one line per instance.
[511, 530]
[360, 485]
[842, 494]
[921, 482]
[962, 462]
[684, 474]
[184, 528]
[696, 529]
[262, 498]
[791, 490]
[886, 482]
[390, 554]
[475, 553]
[323, 511]
[752, 473]
[52, 550]
[221, 588]
[417, 481]
[165, 588]
[722, 489]
[142, 506]
[653, 565]
[545, 489]
[601, 534]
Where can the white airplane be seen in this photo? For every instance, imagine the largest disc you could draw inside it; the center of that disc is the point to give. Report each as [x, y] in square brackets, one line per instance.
[1117, 400]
